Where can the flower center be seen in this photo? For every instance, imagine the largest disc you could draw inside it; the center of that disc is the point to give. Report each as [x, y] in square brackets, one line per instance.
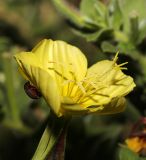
[67, 100]
[76, 92]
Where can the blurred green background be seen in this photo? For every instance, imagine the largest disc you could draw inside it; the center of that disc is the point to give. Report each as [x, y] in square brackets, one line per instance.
[99, 28]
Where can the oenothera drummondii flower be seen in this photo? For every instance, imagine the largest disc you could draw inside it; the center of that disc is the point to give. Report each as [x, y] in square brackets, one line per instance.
[59, 71]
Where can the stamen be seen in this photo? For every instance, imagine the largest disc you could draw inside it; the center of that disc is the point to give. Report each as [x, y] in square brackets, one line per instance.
[60, 74]
[86, 87]
[65, 67]
[81, 87]
[122, 64]
[119, 66]
[66, 82]
[92, 86]
[59, 63]
[83, 90]
[116, 57]
[95, 90]
[89, 93]
[70, 88]
[123, 68]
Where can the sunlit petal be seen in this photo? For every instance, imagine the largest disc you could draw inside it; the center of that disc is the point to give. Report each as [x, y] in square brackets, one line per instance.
[26, 58]
[64, 59]
[110, 82]
[59, 71]
[74, 109]
[115, 106]
[43, 82]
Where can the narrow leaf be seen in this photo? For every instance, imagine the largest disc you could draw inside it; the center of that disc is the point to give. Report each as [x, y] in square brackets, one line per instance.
[69, 12]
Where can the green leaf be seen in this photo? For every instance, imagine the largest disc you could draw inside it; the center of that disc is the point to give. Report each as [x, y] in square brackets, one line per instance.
[50, 136]
[94, 10]
[127, 154]
[134, 26]
[128, 7]
[9, 83]
[70, 13]
[108, 47]
[4, 43]
[117, 17]
[126, 47]
[99, 35]
[142, 31]
[132, 111]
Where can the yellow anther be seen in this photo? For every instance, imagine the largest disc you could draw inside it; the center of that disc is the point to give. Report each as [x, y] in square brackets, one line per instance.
[122, 64]
[123, 68]
[67, 82]
[116, 57]
[81, 87]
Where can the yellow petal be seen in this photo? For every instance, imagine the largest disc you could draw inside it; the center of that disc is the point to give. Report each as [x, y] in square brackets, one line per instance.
[74, 109]
[109, 82]
[26, 58]
[48, 88]
[135, 144]
[62, 61]
[96, 100]
[100, 68]
[42, 50]
[41, 80]
[63, 58]
[115, 106]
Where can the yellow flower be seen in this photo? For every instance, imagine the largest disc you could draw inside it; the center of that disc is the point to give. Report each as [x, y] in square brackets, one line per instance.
[59, 71]
[137, 137]
[136, 144]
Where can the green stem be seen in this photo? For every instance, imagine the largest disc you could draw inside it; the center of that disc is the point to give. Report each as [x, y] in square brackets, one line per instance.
[58, 152]
[9, 83]
[134, 26]
[50, 136]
